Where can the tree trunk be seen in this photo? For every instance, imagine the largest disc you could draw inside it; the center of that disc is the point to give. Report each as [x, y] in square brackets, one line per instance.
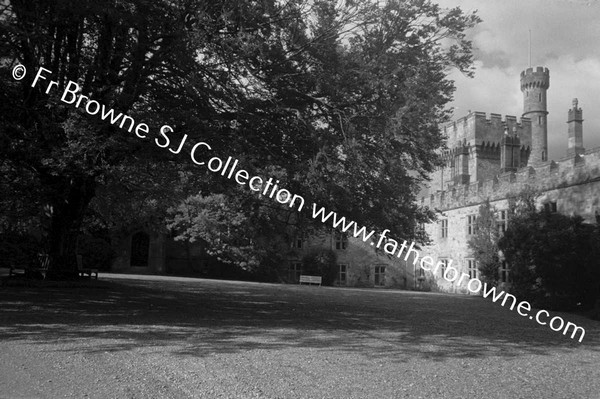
[68, 211]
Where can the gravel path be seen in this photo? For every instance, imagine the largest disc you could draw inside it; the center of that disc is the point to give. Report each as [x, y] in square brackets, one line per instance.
[160, 337]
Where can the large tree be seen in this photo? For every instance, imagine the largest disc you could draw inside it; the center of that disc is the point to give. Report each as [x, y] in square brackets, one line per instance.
[352, 118]
[342, 97]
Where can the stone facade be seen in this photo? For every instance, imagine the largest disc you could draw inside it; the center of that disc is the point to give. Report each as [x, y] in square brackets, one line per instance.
[491, 158]
[359, 264]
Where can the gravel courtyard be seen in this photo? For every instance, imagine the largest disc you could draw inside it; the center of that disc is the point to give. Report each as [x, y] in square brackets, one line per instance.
[160, 337]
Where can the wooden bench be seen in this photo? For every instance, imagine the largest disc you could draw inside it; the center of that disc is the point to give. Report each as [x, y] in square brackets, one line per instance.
[85, 271]
[38, 264]
[310, 279]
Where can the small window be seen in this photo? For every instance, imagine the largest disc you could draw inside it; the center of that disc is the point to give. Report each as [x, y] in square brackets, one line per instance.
[379, 276]
[472, 266]
[550, 207]
[342, 274]
[295, 271]
[502, 222]
[540, 97]
[444, 228]
[443, 265]
[298, 243]
[341, 241]
[471, 224]
[504, 273]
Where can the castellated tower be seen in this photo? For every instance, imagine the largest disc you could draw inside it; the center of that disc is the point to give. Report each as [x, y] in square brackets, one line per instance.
[534, 85]
[575, 122]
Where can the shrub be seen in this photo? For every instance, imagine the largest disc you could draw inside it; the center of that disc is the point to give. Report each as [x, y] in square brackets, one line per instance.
[554, 260]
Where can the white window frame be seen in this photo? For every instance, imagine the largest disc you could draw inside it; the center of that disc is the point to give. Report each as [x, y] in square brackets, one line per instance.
[444, 228]
[342, 273]
[472, 268]
[471, 224]
[444, 264]
[340, 241]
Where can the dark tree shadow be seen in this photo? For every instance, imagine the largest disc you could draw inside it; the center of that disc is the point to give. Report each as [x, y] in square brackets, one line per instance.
[199, 318]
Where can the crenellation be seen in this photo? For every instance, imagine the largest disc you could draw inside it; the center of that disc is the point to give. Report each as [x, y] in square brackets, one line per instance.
[526, 174]
[549, 176]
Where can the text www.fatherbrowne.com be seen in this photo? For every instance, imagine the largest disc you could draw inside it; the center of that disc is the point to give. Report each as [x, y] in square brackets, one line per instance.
[474, 285]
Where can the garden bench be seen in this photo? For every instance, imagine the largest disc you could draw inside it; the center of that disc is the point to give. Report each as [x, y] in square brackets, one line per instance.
[83, 271]
[39, 264]
[310, 279]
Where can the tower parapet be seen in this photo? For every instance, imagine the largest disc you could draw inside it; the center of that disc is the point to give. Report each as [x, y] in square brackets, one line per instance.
[534, 85]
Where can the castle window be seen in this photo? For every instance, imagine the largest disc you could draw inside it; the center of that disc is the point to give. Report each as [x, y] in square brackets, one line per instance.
[341, 241]
[472, 266]
[298, 243]
[540, 120]
[443, 265]
[419, 229]
[501, 223]
[342, 273]
[540, 97]
[379, 276]
[444, 228]
[295, 271]
[550, 207]
[471, 224]
[504, 273]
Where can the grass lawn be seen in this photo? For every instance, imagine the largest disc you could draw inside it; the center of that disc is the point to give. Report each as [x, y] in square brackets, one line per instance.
[160, 337]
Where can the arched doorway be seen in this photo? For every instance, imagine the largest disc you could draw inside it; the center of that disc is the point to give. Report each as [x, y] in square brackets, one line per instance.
[140, 244]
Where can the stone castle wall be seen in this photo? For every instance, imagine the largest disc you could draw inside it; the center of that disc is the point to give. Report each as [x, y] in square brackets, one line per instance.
[570, 171]
[573, 183]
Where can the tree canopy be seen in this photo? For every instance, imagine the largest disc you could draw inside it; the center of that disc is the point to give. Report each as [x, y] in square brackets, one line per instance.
[341, 98]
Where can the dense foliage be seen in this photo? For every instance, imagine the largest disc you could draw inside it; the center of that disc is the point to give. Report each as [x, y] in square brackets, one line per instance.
[341, 99]
[554, 259]
[484, 244]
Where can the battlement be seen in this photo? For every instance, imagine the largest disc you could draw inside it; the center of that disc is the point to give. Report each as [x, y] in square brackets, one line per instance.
[538, 78]
[571, 170]
[477, 128]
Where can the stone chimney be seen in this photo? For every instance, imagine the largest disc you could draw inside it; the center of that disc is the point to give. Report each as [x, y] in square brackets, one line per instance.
[575, 123]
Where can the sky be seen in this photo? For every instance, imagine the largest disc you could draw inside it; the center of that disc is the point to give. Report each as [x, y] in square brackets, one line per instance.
[565, 37]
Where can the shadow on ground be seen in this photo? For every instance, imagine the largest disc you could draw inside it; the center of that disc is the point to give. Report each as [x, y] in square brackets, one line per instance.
[203, 317]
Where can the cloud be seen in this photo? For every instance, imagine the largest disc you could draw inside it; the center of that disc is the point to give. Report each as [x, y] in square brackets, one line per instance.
[564, 36]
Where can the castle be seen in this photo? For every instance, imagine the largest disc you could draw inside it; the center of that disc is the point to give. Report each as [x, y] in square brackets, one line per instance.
[488, 157]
